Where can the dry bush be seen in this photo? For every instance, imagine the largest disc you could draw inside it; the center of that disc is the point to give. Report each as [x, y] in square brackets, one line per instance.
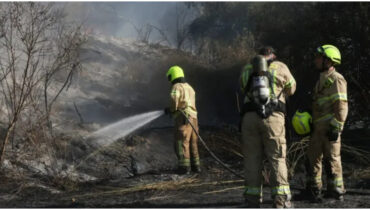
[64, 183]
[39, 56]
[226, 53]
[363, 174]
[297, 150]
[295, 154]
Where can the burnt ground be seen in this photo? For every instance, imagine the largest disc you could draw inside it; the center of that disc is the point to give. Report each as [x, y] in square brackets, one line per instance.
[214, 187]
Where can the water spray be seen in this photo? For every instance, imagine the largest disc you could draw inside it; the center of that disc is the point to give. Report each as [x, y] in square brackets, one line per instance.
[110, 133]
[118, 130]
[107, 135]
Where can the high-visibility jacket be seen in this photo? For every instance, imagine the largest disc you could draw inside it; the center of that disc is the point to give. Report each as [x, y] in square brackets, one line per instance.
[330, 103]
[183, 98]
[283, 80]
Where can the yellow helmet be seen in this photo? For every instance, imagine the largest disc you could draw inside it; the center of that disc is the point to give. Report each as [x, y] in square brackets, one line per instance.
[175, 72]
[331, 52]
[301, 122]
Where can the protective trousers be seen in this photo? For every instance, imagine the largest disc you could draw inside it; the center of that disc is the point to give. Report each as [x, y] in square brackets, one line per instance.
[265, 137]
[186, 145]
[319, 149]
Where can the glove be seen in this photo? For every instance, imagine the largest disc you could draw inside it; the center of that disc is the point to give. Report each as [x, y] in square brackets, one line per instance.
[333, 135]
[167, 111]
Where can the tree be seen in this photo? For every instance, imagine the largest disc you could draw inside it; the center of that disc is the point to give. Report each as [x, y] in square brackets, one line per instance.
[143, 32]
[295, 29]
[39, 50]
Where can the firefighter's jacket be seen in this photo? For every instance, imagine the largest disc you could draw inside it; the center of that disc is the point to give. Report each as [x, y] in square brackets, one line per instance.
[330, 105]
[183, 98]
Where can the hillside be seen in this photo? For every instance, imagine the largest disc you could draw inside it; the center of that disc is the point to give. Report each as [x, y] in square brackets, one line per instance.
[121, 78]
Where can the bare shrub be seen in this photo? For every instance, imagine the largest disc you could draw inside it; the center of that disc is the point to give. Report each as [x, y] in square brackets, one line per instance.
[39, 56]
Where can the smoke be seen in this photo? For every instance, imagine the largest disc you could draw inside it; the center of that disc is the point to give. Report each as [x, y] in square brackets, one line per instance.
[126, 19]
[122, 78]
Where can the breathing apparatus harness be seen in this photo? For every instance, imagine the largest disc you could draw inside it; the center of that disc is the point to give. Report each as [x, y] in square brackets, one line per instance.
[260, 82]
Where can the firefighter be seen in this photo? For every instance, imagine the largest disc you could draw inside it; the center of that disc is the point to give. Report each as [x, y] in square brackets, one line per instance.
[265, 84]
[329, 112]
[182, 98]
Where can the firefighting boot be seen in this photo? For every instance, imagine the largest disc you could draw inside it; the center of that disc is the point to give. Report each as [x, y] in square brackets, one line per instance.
[337, 194]
[282, 201]
[184, 170]
[252, 201]
[197, 169]
[316, 196]
[251, 204]
[333, 191]
[340, 197]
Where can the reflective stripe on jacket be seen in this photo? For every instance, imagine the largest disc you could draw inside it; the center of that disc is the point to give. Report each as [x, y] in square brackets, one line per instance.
[330, 103]
[183, 98]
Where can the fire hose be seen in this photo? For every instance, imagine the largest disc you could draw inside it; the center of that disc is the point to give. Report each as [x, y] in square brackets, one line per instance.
[209, 150]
